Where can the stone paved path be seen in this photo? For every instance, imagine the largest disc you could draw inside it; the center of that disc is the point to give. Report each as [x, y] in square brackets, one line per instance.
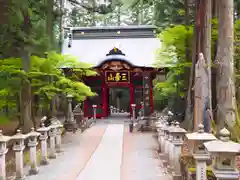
[140, 160]
[105, 164]
[105, 152]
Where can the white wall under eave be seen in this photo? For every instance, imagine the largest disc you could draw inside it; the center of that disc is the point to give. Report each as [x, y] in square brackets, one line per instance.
[139, 51]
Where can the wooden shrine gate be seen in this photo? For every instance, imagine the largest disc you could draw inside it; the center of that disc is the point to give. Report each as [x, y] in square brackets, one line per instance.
[116, 71]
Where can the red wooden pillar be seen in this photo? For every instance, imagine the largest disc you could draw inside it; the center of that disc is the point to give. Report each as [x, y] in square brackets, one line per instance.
[104, 98]
[85, 108]
[151, 95]
[131, 94]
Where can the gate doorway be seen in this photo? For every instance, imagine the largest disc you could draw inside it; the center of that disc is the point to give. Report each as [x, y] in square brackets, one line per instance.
[119, 97]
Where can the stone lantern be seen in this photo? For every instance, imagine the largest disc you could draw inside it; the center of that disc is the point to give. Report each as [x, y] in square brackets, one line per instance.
[18, 148]
[177, 141]
[170, 146]
[111, 109]
[224, 152]
[162, 137]
[58, 139]
[199, 152]
[94, 112]
[70, 123]
[3, 152]
[164, 155]
[52, 139]
[43, 138]
[160, 126]
[32, 143]
[133, 111]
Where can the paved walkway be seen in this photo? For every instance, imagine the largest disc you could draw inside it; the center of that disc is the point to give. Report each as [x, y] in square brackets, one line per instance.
[140, 160]
[105, 152]
[106, 161]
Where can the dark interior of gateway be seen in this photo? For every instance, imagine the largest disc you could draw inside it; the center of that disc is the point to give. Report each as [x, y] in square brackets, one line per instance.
[119, 97]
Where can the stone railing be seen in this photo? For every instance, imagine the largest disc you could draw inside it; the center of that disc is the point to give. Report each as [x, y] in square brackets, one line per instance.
[43, 134]
[206, 150]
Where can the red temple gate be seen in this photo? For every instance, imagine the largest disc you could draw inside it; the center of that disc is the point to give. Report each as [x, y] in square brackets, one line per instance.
[116, 71]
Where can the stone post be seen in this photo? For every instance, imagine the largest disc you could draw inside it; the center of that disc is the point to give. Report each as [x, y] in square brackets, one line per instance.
[59, 138]
[3, 152]
[158, 125]
[94, 112]
[133, 111]
[166, 137]
[52, 141]
[162, 144]
[32, 144]
[111, 109]
[224, 152]
[18, 148]
[170, 146]
[164, 156]
[55, 123]
[178, 136]
[199, 153]
[70, 123]
[43, 138]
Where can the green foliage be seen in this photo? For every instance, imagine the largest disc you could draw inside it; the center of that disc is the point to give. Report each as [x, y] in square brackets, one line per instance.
[45, 76]
[172, 55]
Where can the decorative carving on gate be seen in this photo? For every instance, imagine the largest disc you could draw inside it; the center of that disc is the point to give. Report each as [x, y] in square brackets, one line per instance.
[115, 66]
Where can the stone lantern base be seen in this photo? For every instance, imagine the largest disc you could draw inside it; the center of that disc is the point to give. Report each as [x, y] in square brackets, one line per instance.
[71, 126]
[176, 176]
[33, 171]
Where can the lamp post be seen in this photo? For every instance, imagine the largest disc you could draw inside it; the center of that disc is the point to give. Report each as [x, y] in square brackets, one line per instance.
[70, 123]
[133, 111]
[224, 152]
[199, 152]
[94, 112]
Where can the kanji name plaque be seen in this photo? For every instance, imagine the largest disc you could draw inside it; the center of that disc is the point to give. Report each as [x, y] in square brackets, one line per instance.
[117, 77]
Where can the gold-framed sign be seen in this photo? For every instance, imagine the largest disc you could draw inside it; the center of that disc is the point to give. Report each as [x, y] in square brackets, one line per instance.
[117, 77]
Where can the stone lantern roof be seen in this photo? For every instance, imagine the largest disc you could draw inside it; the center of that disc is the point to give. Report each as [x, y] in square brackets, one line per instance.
[19, 135]
[200, 135]
[178, 129]
[43, 128]
[171, 127]
[223, 145]
[33, 133]
[4, 138]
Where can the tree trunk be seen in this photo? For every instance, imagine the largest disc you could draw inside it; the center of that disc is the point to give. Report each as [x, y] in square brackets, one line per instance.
[49, 21]
[26, 97]
[93, 13]
[207, 29]
[34, 109]
[225, 66]
[141, 12]
[119, 15]
[61, 24]
[189, 107]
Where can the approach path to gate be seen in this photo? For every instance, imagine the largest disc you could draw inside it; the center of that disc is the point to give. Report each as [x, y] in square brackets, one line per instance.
[106, 151]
